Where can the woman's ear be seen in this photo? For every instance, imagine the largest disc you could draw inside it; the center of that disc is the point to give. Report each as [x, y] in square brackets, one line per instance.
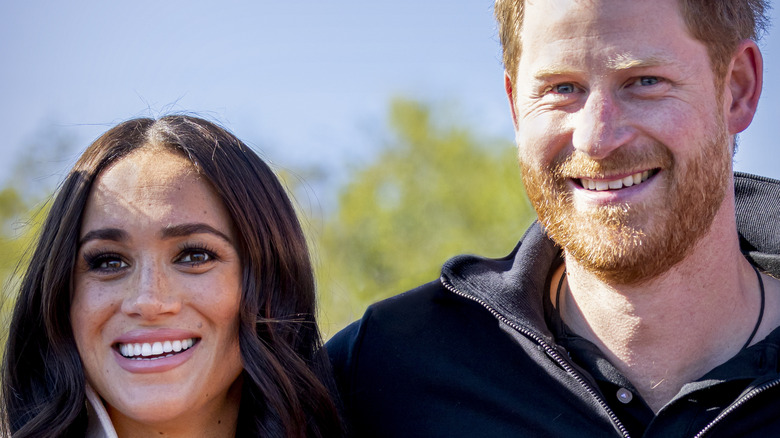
[742, 86]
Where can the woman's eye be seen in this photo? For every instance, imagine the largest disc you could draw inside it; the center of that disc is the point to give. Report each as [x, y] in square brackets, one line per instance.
[195, 257]
[113, 264]
[107, 262]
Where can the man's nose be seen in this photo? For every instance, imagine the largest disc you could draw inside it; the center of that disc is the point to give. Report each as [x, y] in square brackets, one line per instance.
[600, 126]
[152, 294]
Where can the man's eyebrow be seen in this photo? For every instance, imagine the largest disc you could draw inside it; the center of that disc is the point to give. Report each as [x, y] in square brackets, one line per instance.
[114, 234]
[615, 63]
[193, 228]
[625, 62]
[550, 72]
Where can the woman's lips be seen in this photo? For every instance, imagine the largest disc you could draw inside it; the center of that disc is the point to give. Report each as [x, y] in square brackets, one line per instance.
[154, 350]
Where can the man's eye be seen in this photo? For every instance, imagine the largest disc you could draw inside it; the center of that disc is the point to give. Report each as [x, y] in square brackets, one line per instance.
[648, 80]
[564, 88]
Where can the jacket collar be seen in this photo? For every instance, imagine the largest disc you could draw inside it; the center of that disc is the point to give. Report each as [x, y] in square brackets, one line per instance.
[758, 220]
[514, 285]
[98, 422]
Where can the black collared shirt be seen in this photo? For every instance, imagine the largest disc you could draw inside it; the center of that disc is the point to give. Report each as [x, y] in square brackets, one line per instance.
[725, 382]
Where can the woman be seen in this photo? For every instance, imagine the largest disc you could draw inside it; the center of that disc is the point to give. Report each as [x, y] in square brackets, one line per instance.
[171, 293]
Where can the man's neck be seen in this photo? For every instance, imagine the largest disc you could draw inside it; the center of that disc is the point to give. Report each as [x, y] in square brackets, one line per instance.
[673, 328]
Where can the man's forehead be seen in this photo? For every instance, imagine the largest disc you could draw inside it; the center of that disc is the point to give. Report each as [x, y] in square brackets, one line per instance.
[618, 34]
[595, 16]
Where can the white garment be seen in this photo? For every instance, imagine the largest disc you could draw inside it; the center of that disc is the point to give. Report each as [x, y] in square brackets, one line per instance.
[98, 422]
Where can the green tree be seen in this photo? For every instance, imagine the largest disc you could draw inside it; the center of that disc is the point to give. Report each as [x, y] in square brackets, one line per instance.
[20, 222]
[437, 190]
[23, 208]
[11, 208]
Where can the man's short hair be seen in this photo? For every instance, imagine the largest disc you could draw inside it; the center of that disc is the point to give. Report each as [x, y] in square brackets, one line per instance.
[719, 24]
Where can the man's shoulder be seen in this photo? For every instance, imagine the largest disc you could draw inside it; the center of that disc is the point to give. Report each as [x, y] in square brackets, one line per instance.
[751, 188]
[409, 314]
[758, 219]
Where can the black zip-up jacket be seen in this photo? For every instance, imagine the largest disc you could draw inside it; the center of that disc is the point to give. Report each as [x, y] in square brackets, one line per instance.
[471, 355]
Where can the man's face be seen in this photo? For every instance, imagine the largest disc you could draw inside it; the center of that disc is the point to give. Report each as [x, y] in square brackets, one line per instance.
[621, 133]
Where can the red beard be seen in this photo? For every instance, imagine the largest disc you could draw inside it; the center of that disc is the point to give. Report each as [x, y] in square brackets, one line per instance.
[630, 243]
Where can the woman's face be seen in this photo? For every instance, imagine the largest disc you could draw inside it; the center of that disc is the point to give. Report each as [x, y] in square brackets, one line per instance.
[157, 286]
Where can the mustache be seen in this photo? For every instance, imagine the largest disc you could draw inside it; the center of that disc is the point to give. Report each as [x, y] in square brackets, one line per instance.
[578, 164]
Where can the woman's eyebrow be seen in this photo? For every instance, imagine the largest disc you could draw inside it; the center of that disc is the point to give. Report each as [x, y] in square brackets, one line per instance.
[114, 234]
[193, 228]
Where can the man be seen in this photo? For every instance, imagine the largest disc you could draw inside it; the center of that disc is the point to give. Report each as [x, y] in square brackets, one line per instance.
[642, 302]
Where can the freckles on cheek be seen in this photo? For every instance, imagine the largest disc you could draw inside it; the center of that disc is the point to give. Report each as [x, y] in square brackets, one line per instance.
[95, 303]
[91, 310]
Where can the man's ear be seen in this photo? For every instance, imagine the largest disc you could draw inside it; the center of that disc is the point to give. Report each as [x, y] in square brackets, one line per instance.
[743, 86]
[510, 95]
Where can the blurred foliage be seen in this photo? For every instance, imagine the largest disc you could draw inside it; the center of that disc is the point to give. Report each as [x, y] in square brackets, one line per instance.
[20, 221]
[12, 207]
[23, 209]
[435, 191]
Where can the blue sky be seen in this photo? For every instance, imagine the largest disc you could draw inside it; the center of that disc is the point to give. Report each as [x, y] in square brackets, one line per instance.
[304, 82]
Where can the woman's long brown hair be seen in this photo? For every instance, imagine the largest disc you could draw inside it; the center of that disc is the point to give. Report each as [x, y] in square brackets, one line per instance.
[287, 388]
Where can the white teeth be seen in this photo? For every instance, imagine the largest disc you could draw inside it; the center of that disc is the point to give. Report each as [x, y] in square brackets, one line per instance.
[616, 184]
[142, 351]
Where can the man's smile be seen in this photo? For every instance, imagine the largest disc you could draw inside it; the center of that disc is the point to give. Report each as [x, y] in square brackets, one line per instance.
[617, 183]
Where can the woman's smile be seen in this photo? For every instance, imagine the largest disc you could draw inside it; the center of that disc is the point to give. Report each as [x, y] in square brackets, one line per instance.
[156, 350]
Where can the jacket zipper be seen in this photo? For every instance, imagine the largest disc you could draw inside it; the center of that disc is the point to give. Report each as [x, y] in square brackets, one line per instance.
[552, 352]
[734, 406]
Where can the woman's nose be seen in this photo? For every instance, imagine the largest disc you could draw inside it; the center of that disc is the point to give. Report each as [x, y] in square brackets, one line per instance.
[152, 294]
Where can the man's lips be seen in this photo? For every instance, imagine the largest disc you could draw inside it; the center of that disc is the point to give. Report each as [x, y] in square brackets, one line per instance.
[616, 183]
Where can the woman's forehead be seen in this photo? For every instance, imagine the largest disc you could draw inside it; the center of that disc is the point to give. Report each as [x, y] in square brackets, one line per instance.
[154, 187]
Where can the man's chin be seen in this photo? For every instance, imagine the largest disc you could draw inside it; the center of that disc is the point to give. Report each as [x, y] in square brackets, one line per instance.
[615, 252]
